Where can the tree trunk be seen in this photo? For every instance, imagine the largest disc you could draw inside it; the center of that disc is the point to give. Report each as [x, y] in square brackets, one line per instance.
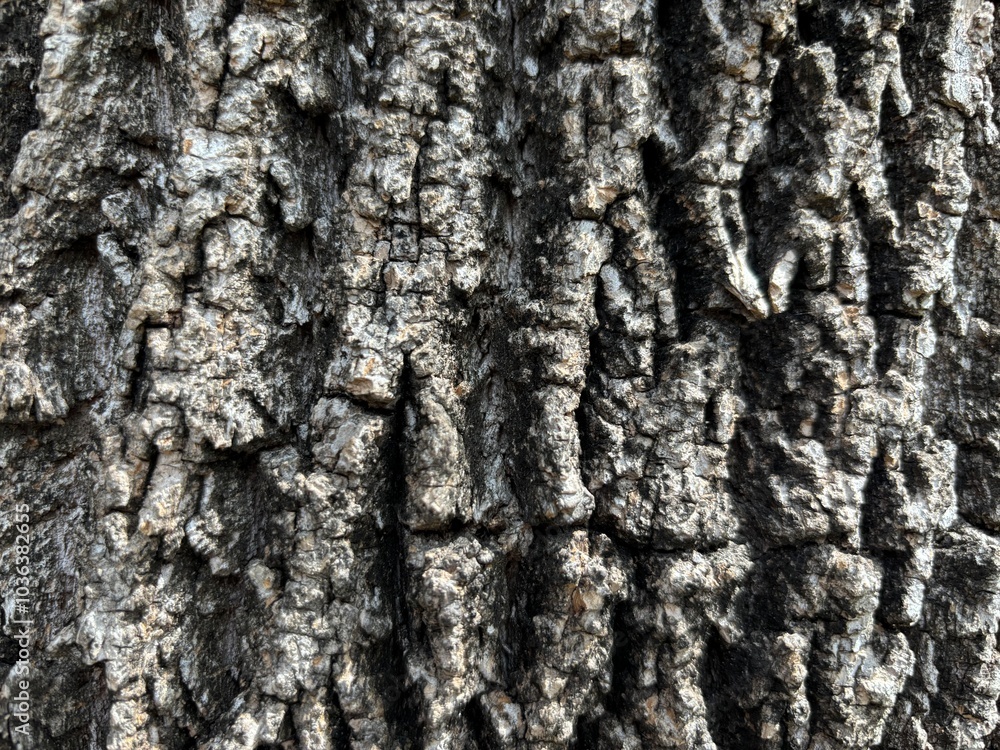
[499, 374]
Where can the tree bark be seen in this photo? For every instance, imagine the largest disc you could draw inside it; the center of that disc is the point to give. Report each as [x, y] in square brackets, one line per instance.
[499, 374]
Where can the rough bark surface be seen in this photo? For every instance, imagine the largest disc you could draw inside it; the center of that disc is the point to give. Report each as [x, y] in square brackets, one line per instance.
[501, 373]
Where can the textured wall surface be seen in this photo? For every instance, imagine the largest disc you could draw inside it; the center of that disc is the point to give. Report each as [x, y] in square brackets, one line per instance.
[481, 374]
